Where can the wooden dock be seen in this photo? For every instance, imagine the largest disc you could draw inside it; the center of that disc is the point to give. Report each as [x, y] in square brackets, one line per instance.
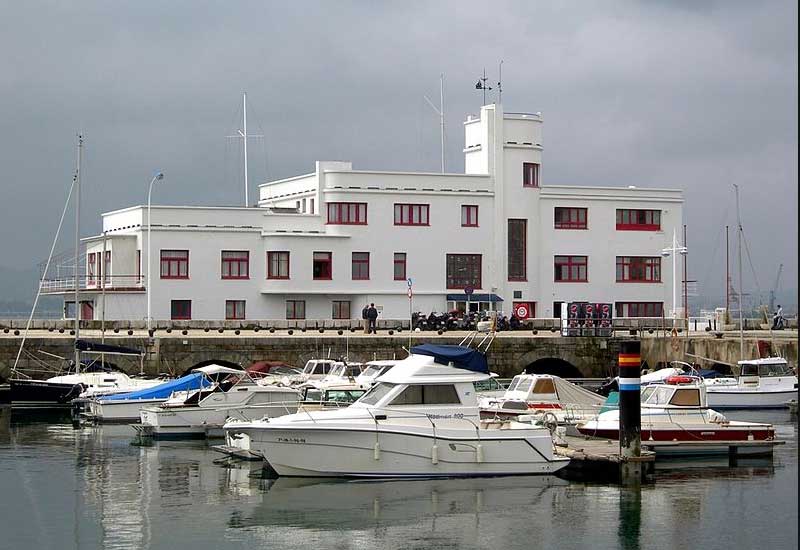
[593, 459]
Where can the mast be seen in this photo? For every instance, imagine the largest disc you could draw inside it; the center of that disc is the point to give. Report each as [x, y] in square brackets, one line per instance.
[685, 284]
[244, 139]
[441, 114]
[727, 277]
[77, 253]
[741, 286]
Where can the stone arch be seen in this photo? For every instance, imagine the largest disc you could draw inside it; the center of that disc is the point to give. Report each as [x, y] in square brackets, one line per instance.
[555, 366]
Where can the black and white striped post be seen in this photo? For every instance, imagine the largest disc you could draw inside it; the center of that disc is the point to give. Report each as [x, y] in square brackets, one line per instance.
[630, 412]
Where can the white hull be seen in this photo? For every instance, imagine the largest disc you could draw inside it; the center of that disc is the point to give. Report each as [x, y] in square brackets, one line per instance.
[180, 422]
[734, 398]
[118, 410]
[407, 451]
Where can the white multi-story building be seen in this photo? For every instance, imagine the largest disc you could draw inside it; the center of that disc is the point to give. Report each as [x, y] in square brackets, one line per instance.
[324, 244]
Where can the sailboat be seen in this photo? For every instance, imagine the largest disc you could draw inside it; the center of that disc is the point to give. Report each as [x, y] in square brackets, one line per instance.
[758, 383]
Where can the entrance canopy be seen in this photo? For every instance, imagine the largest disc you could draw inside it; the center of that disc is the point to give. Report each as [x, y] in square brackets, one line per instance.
[493, 298]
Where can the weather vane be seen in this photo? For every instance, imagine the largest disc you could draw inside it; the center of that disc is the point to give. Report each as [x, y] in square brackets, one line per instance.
[481, 85]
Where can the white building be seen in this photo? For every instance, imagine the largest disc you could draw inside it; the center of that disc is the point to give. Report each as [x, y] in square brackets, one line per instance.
[322, 245]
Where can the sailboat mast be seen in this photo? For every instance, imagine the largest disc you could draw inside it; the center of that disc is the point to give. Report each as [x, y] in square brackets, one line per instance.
[77, 253]
[741, 286]
[727, 276]
[244, 139]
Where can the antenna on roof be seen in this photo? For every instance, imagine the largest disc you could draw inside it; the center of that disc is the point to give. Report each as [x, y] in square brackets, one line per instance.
[500, 85]
[440, 112]
[244, 135]
[481, 85]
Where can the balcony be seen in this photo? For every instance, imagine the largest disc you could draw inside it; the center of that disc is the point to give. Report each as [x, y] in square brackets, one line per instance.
[90, 283]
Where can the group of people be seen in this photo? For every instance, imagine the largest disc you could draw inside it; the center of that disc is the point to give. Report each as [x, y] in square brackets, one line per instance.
[369, 316]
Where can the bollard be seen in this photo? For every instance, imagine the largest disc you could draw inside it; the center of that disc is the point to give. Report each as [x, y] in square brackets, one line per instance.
[630, 413]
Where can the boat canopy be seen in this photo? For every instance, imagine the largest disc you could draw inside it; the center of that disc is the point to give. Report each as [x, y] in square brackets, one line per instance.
[88, 346]
[217, 369]
[193, 381]
[459, 356]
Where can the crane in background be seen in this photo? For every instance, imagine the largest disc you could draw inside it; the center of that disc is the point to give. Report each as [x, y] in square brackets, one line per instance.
[774, 289]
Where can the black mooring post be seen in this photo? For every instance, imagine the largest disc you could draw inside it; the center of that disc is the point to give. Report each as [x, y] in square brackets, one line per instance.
[630, 412]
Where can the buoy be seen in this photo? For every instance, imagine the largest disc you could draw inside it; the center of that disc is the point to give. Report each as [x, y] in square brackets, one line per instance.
[272, 330]
[321, 330]
[130, 332]
[479, 453]
[340, 332]
[184, 332]
[376, 451]
[290, 332]
[391, 332]
[220, 330]
[237, 332]
[435, 454]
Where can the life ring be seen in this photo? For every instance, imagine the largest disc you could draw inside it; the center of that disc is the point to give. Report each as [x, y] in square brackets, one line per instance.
[678, 379]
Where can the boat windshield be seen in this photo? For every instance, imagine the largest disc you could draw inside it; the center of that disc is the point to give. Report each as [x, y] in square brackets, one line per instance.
[766, 369]
[524, 385]
[377, 393]
[544, 385]
[514, 383]
[659, 396]
[487, 385]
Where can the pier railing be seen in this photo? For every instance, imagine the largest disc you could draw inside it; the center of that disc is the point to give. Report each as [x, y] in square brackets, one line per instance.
[109, 283]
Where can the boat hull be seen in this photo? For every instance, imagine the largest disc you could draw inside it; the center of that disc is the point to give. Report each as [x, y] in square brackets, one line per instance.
[42, 394]
[325, 451]
[199, 422]
[720, 398]
[121, 411]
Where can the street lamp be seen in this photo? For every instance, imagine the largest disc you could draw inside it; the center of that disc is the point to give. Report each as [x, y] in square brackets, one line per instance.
[674, 251]
[157, 176]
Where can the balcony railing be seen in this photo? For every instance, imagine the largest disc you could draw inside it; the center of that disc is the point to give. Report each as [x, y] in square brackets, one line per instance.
[112, 283]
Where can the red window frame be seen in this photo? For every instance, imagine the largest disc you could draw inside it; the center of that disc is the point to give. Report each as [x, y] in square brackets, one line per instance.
[573, 265]
[235, 309]
[469, 215]
[324, 259]
[235, 264]
[347, 213]
[106, 267]
[638, 220]
[360, 266]
[472, 264]
[399, 266]
[174, 310]
[340, 309]
[530, 174]
[412, 214]
[277, 260]
[522, 274]
[570, 217]
[640, 309]
[90, 269]
[295, 309]
[173, 262]
[638, 269]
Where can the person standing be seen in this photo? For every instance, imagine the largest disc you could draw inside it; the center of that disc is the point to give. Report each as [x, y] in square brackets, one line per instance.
[365, 319]
[372, 318]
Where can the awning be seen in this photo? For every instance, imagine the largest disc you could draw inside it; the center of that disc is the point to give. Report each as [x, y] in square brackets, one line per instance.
[494, 298]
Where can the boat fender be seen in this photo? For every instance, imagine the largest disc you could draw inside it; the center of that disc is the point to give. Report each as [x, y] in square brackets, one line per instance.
[435, 454]
[717, 418]
[479, 454]
[376, 451]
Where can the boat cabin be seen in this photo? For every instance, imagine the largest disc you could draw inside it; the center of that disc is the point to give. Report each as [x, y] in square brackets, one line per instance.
[342, 395]
[680, 393]
[373, 369]
[769, 366]
[317, 369]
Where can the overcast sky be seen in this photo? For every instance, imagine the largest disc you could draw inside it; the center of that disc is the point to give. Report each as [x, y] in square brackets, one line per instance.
[681, 94]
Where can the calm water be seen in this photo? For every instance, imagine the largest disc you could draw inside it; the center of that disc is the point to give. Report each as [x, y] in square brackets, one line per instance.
[62, 488]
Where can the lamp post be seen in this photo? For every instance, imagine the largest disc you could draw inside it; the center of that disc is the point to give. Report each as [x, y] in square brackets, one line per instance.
[673, 251]
[158, 176]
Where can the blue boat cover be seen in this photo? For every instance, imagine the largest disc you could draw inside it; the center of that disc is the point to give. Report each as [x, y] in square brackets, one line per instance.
[461, 357]
[709, 373]
[192, 381]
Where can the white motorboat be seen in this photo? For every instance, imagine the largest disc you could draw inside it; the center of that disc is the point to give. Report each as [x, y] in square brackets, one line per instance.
[529, 394]
[421, 419]
[676, 420]
[761, 384]
[373, 369]
[202, 412]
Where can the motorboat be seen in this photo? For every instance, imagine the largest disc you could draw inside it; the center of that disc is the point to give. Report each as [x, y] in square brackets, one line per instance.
[373, 369]
[341, 372]
[125, 407]
[315, 369]
[202, 412]
[766, 383]
[676, 420]
[321, 396]
[529, 394]
[420, 419]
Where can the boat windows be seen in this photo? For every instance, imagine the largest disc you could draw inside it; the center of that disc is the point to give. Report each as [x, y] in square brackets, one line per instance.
[524, 385]
[660, 396]
[774, 369]
[312, 394]
[343, 396]
[488, 385]
[647, 391]
[377, 393]
[749, 370]
[434, 394]
[686, 397]
[544, 385]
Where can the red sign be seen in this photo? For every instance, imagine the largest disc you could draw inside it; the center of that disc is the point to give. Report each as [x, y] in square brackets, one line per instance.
[524, 310]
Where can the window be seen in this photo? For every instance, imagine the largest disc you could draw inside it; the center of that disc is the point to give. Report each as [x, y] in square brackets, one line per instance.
[235, 264]
[234, 309]
[376, 393]
[174, 264]
[138, 267]
[530, 174]
[570, 218]
[400, 266]
[417, 394]
[295, 309]
[323, 266]
[341, 309]
[517, 245]
[90, 269]
[638, 220]
[347, 213]
[544, 385]
[311, 206]
[277, 265]
[639, 269]
[640, 309]
[107, 267]
[572, 269]
[463, 270]
[469, 215]
[411, 214]
[180, 309]
[686, 398]
[360, 266]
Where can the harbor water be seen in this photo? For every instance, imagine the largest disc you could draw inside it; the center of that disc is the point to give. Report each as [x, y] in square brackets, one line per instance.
[66, 488]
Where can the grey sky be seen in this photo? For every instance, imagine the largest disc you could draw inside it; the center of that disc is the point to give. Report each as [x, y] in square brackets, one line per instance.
[693, 95]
